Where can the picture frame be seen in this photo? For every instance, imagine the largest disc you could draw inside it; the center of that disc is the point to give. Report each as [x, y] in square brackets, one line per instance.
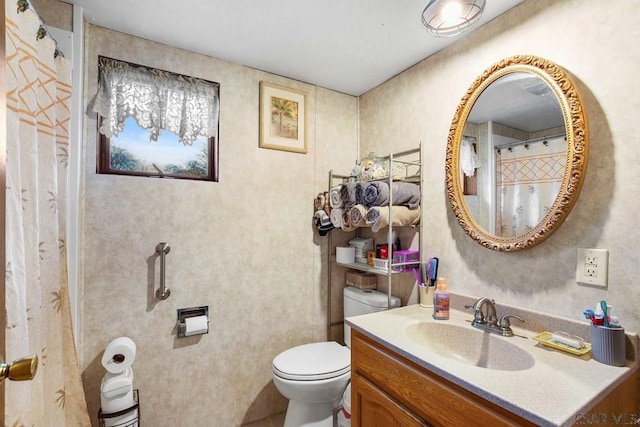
[282, 118]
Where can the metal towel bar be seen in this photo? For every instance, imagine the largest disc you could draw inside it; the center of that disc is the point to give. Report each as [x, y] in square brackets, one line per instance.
[163, 249]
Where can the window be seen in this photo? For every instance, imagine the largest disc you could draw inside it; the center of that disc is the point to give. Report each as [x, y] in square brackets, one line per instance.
[133, 153]
[156, 123]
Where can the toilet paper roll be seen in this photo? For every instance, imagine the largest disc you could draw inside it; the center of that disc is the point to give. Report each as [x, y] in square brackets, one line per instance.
[119, 355]
[196, 325]
[346, 254]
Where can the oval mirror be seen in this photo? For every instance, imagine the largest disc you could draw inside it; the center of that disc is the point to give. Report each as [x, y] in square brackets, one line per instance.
[516, 153]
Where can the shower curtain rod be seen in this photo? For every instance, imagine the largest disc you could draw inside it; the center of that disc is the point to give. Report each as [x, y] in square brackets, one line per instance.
[528, 141]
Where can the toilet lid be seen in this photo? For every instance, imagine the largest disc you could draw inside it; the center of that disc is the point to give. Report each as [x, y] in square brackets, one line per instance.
[310, 362]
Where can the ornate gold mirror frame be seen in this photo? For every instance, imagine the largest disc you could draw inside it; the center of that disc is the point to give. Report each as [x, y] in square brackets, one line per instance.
[575, 121]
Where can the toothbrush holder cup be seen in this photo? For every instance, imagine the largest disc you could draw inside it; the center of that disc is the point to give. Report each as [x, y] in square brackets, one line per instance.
[425, 296]
[608, 345]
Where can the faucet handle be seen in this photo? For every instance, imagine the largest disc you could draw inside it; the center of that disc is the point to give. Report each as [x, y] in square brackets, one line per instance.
[505, 323]
[478, 317]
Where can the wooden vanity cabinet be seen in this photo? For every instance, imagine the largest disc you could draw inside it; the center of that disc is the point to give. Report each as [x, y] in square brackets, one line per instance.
[389, 390]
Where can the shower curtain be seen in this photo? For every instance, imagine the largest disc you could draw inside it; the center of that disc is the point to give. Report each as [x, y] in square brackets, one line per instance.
[528, 179]
[38, 316]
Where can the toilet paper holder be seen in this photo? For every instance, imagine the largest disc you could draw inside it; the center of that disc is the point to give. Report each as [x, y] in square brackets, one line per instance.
[192, 312]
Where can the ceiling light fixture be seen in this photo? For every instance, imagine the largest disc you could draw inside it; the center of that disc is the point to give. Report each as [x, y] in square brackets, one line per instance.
[448, 18]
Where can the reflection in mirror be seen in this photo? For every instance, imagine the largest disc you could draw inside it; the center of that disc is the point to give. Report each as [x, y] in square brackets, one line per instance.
[516, 130]
[516, 153]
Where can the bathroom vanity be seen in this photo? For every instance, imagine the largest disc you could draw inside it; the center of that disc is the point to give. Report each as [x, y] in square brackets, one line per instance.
[410, 370]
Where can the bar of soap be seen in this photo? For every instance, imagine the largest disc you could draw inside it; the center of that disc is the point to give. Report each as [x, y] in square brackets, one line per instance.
[564, 339]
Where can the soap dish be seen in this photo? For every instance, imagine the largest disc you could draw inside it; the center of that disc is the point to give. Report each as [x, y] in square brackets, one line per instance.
[545, 339]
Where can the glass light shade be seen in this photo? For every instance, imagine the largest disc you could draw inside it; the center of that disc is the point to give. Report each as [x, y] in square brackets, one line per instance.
[448, 18]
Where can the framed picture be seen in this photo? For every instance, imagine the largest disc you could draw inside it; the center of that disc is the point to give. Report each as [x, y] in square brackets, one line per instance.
[282, 118]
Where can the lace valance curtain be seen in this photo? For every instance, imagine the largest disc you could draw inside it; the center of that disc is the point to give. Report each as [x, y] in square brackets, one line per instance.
[156, 99]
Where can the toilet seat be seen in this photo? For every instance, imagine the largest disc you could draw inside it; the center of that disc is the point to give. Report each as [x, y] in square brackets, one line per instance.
[312, 362]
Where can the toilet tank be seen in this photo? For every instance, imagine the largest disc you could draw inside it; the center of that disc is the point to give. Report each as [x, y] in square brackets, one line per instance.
[363, 301]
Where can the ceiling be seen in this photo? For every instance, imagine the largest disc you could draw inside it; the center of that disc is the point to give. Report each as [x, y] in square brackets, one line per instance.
[350, 46]
[520, 100]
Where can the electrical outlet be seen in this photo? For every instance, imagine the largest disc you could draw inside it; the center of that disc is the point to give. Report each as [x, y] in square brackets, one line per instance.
[592, 267]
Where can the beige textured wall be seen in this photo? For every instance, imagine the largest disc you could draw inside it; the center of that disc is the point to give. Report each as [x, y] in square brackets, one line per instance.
[595, 42]
[245, 246]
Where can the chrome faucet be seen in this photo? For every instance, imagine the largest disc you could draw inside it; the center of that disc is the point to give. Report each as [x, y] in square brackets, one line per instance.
[488, 320]
[479, 318]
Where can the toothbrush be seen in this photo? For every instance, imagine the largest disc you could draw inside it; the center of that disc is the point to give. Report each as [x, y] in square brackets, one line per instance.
[605, 309]
[424, 275]
[434, 271]
[417, 276]
[429, 271]
[590, 315]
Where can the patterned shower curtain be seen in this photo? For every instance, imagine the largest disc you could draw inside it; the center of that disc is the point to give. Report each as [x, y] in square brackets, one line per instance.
[528, 179]
[37, 305]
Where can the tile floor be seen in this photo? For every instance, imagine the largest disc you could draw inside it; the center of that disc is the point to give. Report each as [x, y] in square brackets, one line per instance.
[273, 421]
[278, 421]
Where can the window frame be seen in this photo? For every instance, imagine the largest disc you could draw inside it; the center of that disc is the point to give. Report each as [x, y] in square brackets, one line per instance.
[103, 161]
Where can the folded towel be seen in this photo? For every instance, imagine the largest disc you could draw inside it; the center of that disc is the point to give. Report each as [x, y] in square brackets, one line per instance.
[348, 194]
[378, 216]
[357, 215]
[336, 217]
[323, 222]
[346, 221]
[335, 200]
[376, 194]
[361, 187]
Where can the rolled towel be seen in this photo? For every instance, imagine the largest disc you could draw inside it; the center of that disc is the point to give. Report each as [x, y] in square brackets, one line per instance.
[361, 187]
[376, 194]
[357, 215]
[378, 216]
[348, 194]
[335, 200]
[374, 217]
[336, 217]
[346, 221]
[406, 193]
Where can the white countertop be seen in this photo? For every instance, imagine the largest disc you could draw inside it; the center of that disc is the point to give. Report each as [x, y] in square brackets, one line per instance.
[555, 391]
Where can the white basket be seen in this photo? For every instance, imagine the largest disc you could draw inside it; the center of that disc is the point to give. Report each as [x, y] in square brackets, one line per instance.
[381, 264]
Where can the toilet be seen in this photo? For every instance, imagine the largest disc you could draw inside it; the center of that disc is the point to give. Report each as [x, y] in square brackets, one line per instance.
[314, 376]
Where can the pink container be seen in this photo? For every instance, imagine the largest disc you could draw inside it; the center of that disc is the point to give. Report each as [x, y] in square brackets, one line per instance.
[403, 258]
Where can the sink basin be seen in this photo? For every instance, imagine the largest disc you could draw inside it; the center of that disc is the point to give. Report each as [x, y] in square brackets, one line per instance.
[471, 346]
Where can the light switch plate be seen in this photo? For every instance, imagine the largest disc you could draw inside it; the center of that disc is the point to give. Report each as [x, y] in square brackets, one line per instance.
[592, 267]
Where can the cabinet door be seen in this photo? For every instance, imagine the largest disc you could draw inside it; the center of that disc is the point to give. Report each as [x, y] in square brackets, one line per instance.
[374, 408]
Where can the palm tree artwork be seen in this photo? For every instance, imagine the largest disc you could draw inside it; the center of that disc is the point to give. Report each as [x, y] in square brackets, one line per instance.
[284, 118]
